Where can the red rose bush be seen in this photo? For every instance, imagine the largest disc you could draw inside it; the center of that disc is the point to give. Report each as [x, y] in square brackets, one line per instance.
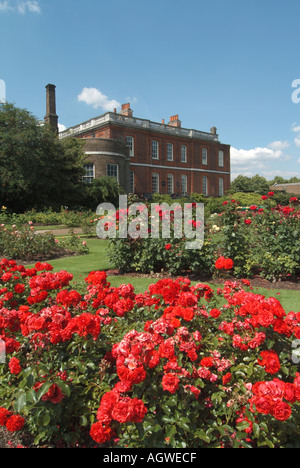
[181, 365]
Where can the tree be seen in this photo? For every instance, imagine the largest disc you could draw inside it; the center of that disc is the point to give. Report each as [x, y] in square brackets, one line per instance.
[245, 184]
[37, 169]
[241, 184]
[104, 189]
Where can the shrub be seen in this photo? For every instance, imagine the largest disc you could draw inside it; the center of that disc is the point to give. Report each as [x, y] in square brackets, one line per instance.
[23, 244]
[261, 240]
[179, 366]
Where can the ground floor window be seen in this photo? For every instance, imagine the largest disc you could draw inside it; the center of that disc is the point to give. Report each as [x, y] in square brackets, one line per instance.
[170, 183]
[112, 170]
[204, 185]
[132, 183]
[184, 184]
[155, 182]
[89, 175]
[221, 187]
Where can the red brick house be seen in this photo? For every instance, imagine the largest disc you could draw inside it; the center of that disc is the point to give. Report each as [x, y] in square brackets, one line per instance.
[148, 157]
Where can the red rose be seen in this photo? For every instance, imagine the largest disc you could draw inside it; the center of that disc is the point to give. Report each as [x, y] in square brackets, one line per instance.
[139, 410]
[226, 378]
[4, 415]
[123, 410]
[223, 263]
[101, 433]
[262, 404]
[55, 395]
[207, 362]
[270, 361]
[215, 313]
[170, 382]
[168, 246]
[281, 411]
[14, 366]
[14, 423]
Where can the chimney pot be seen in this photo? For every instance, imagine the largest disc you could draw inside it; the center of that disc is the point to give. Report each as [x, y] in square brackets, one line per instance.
[174, 121]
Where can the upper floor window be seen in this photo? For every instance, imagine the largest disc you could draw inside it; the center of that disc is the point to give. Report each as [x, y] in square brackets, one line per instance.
[130, 144]
[155, 149]
[89, 175]
[221, 158]
[169, 151]
[183, 153]
[204, 155]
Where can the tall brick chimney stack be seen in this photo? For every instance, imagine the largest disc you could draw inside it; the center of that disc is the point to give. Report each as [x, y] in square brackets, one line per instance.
[126, 110]
[51, 118]
[174, 121]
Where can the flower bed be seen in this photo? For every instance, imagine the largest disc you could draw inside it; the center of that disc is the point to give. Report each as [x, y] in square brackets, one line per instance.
[24, 244]
[261, 240]
[177, 366]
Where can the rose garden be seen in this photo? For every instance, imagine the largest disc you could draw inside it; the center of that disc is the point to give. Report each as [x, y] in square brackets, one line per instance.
[197, 357]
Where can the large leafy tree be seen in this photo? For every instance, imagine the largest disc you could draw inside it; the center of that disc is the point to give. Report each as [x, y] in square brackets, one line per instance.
[37, 170]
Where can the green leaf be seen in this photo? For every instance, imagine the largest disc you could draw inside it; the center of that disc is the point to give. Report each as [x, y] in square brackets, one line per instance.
[256, 430]
[32, 396]
[63, 386]
[44, 389]
[20, 403]
[200, 434]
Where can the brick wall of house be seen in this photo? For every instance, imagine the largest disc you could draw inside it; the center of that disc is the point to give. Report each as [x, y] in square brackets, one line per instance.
[101, 152]
[142, 165]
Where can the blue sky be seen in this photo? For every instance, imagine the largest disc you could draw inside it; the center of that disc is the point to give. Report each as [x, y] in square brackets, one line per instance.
[224, 63]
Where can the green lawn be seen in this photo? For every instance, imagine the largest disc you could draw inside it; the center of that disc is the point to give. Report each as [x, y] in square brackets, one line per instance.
[97, 259]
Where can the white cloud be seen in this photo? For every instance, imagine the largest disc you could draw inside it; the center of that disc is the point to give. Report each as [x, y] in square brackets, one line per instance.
[21, 7]
[296, 128]
[255, 157]
[2, 91]
[5, 6]
[61, 127]
[297, 142]
[94, 97]
[279, 145]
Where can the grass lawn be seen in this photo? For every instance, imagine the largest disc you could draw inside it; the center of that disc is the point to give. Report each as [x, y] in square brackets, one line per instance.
[97, 259]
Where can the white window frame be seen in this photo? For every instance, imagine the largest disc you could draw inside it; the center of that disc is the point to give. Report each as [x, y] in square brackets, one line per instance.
[205, 185]
[89, 173]
[155, 149]
[132, 182]
[130, 144]
[221, 158]
[170, 184]
[204, 156]
[155, 179]
[169, 151]
[183, 153]
[221, 186]
[184, 184]
[109, 167]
